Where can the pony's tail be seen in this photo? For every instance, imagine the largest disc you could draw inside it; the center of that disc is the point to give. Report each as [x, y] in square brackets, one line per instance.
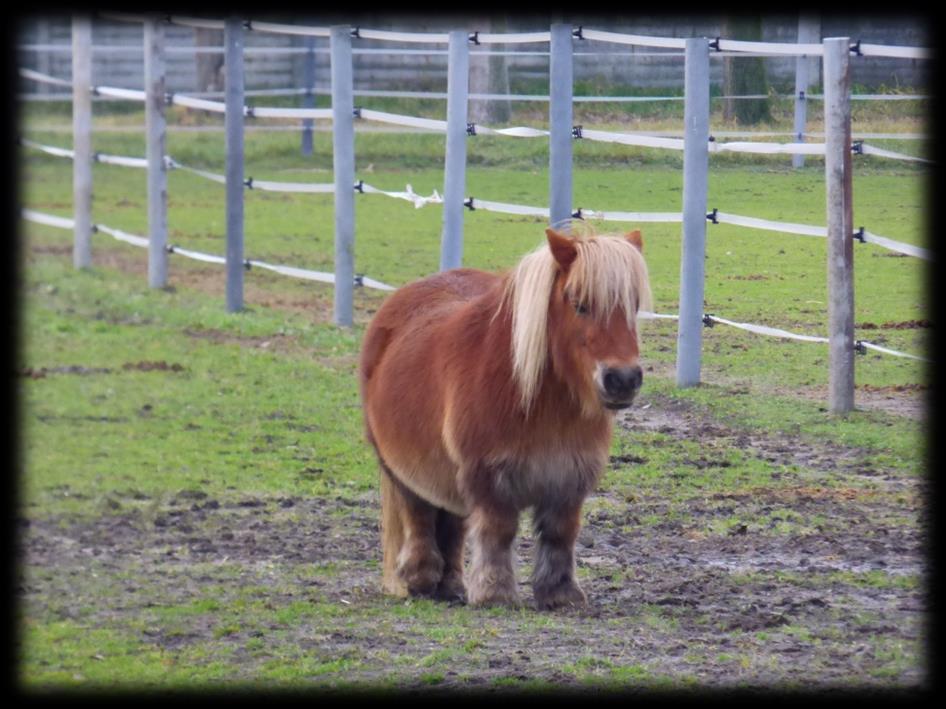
[392, 533]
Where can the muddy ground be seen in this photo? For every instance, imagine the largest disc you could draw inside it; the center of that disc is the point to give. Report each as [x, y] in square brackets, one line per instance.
[669, 603]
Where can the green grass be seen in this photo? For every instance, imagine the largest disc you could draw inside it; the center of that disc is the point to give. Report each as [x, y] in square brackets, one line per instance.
[264, 402]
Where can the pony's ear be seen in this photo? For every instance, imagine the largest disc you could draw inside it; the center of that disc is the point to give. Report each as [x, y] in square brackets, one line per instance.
[635, 238]
[563, 248]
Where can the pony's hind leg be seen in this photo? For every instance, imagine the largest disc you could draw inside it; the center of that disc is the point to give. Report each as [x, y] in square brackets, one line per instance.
[413, 564]
[450, 538]
[556, 528]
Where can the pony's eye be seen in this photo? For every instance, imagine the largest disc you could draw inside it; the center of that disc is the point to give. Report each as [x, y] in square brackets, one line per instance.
[581, 308]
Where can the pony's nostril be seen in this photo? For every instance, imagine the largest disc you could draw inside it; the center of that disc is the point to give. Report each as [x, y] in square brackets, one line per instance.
[612, 381]
[621, 382]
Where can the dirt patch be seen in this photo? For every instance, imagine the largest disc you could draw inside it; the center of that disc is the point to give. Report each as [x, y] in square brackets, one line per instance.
[830, 596]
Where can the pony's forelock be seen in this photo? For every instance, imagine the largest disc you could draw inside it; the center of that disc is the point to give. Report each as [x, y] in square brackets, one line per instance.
[609, 272]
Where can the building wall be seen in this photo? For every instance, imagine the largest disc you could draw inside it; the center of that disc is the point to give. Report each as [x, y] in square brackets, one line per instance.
[603, 63]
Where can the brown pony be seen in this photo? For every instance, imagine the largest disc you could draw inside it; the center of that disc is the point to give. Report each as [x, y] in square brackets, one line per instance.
[487, 394]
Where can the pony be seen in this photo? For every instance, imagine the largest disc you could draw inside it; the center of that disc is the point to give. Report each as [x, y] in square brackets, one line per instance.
[488, 394]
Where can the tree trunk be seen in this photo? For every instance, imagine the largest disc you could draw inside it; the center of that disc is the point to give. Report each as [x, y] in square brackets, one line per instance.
[209, 65]
[489, 74]
[746, 75]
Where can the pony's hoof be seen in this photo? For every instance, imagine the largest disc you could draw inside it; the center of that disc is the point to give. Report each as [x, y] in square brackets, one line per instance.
[421, 574]
[567, 593]
[495, 596]
[451, 589]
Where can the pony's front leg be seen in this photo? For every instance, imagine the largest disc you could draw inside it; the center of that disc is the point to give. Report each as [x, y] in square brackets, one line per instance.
[491, 577]
[556, 526]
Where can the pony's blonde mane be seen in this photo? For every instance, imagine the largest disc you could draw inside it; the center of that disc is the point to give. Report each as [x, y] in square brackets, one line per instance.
[608, 272]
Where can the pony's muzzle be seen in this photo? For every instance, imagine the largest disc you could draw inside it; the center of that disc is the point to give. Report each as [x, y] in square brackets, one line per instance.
[619, 386]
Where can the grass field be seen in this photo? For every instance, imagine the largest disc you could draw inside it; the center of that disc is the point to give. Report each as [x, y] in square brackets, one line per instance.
[199, 507]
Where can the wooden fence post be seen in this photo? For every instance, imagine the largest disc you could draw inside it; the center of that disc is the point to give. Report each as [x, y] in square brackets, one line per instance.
[839, 186]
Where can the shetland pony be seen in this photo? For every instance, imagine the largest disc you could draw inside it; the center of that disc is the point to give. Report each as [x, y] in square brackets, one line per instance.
[488, 394]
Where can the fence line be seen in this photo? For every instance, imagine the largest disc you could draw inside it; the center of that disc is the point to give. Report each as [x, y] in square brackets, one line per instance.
[632, 139]
[581, 33]
[295, 272]
[696, 150]
[714, 215]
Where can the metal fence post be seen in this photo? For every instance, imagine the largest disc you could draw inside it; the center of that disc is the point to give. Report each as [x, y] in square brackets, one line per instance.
[82, 140]
[454, 178]
[155, 127]
[343, 157]
[839, 186]
[695, 178]
[233, 59]
[308, 98]
[560, 123]
[808, 33]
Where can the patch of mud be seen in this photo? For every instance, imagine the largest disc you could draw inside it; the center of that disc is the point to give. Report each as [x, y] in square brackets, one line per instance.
[835, 599]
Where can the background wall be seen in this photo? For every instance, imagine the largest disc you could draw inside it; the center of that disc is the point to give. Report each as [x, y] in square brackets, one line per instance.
[611, 65]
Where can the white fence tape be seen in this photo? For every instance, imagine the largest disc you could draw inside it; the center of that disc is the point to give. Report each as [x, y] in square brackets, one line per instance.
[634, 39]
[895, 353]
[768, 225]
[48, 219]
[141, 241]
[276, 112]
[301, 187]
[505, 208]
[197, 22]
[648, 141]
[880, 152]
[409, 195]
[765, 330]
[398, 119]
[881, 50]
[66, 223]
[200, 173]
[123, 161]
[773, 48]
[512, 37]
[418, 37]
[113, 92]
[767, 148]
[198, 103]
[44, 78]
[49, 149]
[667, 217]
[295, 272]
[197, 255]
[279, 28]
[132, 239]
[900, 247]
[526, 210]
[515, 132]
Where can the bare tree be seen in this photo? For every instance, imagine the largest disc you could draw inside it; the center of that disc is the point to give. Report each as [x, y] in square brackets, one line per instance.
[209, 64]
[489, 74]
[745, 75]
